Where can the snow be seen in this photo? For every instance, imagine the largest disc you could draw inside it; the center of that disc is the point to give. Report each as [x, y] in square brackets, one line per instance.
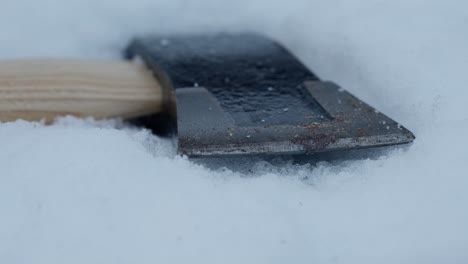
[102, 192]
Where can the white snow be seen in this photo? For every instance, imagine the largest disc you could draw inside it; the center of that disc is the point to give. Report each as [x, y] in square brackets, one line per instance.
[82, 191]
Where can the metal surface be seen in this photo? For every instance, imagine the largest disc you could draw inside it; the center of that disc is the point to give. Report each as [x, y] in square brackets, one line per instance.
[245, 94]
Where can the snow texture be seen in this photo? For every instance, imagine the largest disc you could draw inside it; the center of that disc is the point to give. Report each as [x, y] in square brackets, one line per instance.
[83, 191]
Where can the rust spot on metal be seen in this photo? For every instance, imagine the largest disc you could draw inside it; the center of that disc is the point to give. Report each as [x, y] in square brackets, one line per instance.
[315, 143]
[361, 132]
[312, 125]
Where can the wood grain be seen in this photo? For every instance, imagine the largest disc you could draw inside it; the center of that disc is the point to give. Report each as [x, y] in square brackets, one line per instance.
[46, 88]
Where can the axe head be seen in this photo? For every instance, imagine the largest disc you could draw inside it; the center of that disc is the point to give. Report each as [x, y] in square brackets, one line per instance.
[246, 94]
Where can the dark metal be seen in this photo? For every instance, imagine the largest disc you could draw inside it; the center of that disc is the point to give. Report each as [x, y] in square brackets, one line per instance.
[245, 94]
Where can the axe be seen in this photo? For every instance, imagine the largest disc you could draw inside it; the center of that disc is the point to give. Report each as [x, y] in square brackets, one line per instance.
[221, 94]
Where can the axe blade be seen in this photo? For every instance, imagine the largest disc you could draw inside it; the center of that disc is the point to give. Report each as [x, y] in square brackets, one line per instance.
[239, 94]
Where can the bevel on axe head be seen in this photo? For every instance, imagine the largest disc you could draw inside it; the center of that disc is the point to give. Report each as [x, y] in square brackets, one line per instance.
[239, 94]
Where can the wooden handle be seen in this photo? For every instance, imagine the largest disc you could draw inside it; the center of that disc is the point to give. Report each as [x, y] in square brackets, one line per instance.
[46, 88]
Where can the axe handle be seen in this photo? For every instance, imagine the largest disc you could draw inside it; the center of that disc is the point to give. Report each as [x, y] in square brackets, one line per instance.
[46, 88]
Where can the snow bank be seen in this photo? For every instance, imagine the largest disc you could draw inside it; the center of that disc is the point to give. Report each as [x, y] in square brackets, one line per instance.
[101, 192]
